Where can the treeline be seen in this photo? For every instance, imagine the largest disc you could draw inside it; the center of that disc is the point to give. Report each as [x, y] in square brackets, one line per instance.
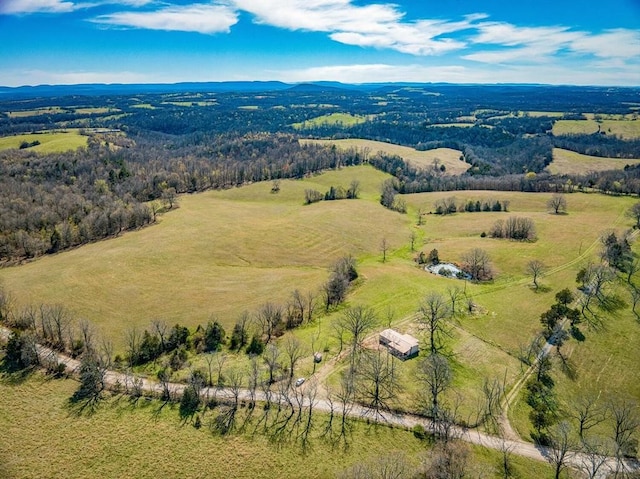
[57, 201]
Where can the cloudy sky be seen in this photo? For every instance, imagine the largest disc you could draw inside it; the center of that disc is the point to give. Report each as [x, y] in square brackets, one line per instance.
[581, 42]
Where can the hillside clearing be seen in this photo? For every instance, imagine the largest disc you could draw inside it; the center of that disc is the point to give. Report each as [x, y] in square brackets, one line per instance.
[566, 162]
[53, 141]
[627, 129]
[448, 157]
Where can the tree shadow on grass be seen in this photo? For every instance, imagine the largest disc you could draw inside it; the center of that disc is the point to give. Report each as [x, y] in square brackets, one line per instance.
[79, 406]
[541, 289]
[577, 334]
[612, 303]
[13, 375]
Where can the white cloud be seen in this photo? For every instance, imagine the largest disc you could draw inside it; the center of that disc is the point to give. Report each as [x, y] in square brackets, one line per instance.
[619, 43]
[33, 6]
[376, 25]
[320, 15]
[542, 44]
[200, 18]
[374, 73]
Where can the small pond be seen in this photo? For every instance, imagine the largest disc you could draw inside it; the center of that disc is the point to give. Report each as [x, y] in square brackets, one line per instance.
[448, 270]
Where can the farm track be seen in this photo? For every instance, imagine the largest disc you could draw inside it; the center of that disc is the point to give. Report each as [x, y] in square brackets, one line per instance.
[116, 380]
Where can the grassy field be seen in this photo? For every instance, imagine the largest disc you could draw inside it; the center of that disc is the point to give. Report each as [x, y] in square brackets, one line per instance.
[624, 128]
[50, 141]
[567, 162]
[448, 157]
[344, 119]
[142, 440]
[246, 246]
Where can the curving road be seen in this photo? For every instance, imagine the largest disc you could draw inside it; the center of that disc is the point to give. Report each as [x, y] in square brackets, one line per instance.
[114, 379]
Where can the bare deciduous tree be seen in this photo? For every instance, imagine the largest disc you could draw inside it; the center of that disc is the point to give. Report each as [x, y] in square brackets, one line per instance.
[271, 356]
[357, 322]
[433, 312]
[435, 376]
[560, 447]
[477, 264]
[269, 317]
[455, 294]
[536, 269]
[588, 413]
[377, 381]
[557, 203]
[294, 351]
[384, 247]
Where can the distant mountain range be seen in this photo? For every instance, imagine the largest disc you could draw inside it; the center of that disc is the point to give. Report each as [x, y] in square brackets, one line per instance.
[93, 89]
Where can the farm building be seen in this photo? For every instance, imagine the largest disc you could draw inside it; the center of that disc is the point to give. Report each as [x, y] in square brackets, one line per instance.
[403, 346]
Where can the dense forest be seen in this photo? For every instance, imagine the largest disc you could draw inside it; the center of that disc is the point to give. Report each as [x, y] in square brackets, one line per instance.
[158, 145]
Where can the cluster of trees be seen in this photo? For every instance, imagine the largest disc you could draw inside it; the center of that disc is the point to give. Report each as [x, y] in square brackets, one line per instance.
[389, 198]
[447, 206]
[28, 144]
[514, 228]
[334, 193]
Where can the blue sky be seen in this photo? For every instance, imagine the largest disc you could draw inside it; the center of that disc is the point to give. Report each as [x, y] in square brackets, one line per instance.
[579, 42]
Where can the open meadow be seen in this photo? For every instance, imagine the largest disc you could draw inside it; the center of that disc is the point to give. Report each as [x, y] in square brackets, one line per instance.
[224, 252]
[142, 439]
[341, 119]
[626, 128]
[448, 157]
[566, 162]
[49, 141]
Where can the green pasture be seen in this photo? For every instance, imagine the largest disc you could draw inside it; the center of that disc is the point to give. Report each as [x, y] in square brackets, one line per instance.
[121, 438]
[448, 157]
[343, 119]
[604, 366]
[224, 252]
[448, 125]
[220, 253]
[566, 162]
[624, 128]
[51, 141]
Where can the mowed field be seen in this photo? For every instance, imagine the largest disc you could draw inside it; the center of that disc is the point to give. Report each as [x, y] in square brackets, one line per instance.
[448, 157]
[225, 252]
[220, 253]
[624, 128]
[344, 119]
[142, 439]
[566, 162]
[50, 141]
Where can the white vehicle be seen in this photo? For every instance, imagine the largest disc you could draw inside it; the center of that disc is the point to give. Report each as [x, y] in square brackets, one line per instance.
[299, 382]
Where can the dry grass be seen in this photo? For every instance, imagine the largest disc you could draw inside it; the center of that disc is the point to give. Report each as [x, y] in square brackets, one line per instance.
[448, 157]
[567, 162]
[624, 128]
[344, 119]
[220, 253]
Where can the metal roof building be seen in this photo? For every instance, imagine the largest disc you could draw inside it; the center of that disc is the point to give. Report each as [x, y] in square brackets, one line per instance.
[403, 346]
